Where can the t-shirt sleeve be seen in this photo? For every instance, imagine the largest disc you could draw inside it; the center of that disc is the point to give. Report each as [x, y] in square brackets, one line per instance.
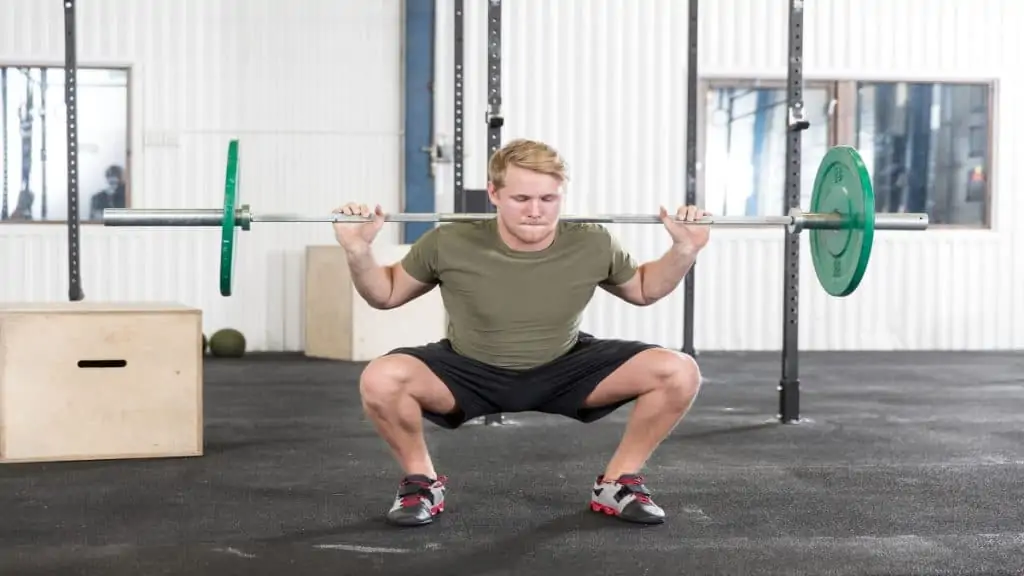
[621, 264]
[421, 260]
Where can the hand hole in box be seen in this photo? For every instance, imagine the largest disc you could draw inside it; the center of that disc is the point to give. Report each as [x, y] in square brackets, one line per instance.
[102, 363]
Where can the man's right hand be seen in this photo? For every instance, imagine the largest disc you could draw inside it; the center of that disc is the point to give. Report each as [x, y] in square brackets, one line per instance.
[357, 236]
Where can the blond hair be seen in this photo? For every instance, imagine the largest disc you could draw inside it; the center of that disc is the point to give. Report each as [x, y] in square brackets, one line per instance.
[529, 155]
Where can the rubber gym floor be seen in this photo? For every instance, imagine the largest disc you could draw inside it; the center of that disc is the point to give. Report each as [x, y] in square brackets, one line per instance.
[907, 464]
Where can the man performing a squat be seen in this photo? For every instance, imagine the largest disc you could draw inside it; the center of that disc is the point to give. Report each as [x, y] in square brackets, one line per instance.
[514, 288]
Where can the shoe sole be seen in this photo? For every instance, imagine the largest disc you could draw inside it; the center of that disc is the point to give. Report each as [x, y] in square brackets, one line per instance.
[609, 511]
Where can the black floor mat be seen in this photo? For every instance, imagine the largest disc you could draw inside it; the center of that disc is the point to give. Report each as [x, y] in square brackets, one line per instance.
[907, 464]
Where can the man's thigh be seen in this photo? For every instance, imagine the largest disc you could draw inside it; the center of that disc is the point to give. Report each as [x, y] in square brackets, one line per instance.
[577, 384]
[415, 378]
[476, 387]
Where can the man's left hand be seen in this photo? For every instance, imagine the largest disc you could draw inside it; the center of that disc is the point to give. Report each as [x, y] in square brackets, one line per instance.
[689, 237]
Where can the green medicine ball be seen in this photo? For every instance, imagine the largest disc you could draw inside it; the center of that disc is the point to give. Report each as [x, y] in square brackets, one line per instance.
[227, 343]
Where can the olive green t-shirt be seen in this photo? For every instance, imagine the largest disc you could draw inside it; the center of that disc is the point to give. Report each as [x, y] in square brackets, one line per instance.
[516, 309]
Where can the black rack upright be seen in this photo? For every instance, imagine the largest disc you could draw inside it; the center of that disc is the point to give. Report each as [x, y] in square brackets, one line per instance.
[789, 385]
[70, 101]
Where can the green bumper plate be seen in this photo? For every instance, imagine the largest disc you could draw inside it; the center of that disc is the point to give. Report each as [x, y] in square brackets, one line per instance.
[843, 186]
[229, 233]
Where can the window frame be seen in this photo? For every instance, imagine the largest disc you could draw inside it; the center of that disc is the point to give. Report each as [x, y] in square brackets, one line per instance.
[843, 123]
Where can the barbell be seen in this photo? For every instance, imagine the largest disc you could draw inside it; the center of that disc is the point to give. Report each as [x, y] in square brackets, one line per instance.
[842, 220]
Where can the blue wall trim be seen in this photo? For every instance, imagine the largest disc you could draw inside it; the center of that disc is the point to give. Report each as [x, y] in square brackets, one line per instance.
[419, 113]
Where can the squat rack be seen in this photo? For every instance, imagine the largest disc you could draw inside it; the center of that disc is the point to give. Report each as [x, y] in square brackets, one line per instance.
[789, 383]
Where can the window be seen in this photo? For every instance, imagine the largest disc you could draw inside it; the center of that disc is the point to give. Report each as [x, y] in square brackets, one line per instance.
[927, 148]
[926, 145]
[745, 131]
[33, 138]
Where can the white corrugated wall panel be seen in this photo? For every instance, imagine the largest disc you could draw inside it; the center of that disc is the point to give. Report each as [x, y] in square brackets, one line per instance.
[317, 126]
[605, 81]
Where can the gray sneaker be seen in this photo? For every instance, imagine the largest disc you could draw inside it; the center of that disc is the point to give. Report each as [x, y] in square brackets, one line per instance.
[419, 499]
[626, 498]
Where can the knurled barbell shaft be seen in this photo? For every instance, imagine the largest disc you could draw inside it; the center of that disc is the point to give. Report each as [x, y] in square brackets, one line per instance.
[213, 217]
[471, 217]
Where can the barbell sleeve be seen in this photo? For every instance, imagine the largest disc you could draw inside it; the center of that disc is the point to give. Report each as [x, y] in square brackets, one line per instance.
[163, 217]
[911, 221]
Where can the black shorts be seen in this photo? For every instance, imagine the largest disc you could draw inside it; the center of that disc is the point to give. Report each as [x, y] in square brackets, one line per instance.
[558, 387]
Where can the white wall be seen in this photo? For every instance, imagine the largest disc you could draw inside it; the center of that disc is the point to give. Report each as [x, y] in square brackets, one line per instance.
[311, 89]
[314, 92]
[605, 81]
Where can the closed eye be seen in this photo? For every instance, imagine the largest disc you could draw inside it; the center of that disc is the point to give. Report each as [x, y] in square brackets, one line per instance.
[547, 198]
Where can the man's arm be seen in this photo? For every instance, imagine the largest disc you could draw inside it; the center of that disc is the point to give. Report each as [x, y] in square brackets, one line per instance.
[386, 287]
[653, 280]
[383, 287]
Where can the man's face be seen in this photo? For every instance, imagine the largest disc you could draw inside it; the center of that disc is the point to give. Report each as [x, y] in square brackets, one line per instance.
[528, 205]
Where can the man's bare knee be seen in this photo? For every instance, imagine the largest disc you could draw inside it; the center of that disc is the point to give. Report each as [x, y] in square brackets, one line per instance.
[387, 379]
[384, 380]
[678, 376]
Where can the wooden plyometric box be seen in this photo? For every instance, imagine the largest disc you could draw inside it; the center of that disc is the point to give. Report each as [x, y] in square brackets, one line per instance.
[340, 325]
[95, 381]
